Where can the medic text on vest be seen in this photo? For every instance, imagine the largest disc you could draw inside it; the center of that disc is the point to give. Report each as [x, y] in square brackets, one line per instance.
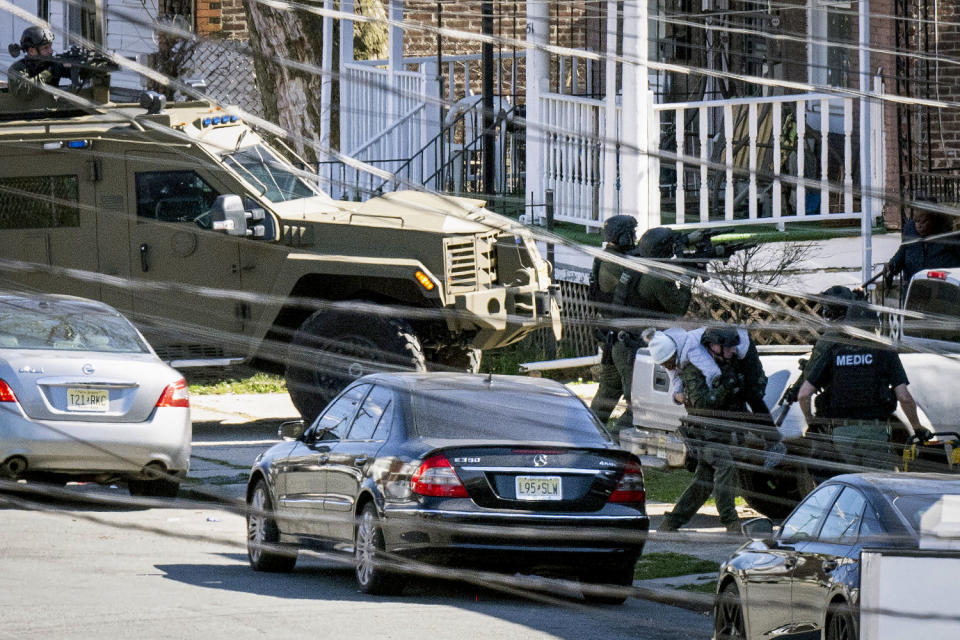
[854, 360]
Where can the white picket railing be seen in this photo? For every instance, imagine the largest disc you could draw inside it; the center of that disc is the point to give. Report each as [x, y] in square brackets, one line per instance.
[572, 156]
[383, 120]
[733, 166]
[387, 117]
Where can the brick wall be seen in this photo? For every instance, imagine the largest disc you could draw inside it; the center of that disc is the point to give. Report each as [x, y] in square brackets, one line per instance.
[946, 146]
[210, 17]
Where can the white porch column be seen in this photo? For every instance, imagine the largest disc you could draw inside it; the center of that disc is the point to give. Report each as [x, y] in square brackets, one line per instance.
[609, 196]
[395, 46]
[326, 84]
[866, 179]
[538, 78]
[639, 166]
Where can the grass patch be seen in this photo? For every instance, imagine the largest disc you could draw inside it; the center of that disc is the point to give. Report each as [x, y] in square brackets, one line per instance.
[665, 486]
[669, 564]
[256, 383]
[700, 587]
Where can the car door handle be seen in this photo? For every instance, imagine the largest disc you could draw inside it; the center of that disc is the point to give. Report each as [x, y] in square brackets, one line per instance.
[360, 460]
[144, 250]
[790, 562]
[829, 565]
[322, 458]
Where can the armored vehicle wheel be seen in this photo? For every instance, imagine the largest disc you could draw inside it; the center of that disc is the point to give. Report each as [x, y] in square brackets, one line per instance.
[772, 494]
[455, 358]
[332, 348]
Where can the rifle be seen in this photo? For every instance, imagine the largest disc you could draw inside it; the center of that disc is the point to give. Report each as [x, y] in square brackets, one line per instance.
[790, 395]
[81, 64]
[698, 246]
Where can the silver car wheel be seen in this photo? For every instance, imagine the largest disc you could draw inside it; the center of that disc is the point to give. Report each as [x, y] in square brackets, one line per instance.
[366, 548]
[256, 524]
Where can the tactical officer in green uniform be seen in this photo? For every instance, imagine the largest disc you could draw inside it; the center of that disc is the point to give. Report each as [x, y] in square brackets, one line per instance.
[860, 385]
[620, 292]
[36, 68]
[740, 384]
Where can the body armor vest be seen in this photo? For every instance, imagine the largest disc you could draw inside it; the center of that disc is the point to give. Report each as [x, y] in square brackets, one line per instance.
[857, 388]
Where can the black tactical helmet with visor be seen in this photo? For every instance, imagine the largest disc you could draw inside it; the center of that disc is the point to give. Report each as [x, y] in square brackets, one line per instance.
[35, 37]
[658, 242]
[620, 231]
[837, 302]
[720, 336]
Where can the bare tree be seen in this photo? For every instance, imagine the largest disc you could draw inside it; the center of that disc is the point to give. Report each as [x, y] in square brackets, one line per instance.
[763, 265]
[291, 97]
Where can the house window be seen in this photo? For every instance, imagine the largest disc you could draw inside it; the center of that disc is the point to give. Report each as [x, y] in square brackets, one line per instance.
[178, 12]
[831, 21]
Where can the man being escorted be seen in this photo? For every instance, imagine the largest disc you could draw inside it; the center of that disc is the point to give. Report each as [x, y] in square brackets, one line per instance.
[621, 292]
[741, 383]
[860, 385]
[27, 75]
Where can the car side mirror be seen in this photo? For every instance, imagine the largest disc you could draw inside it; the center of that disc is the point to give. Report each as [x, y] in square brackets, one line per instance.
[291, 430]
[758, 529]
[228, 214]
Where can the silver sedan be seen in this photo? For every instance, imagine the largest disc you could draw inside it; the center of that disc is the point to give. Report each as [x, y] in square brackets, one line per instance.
[83, 397]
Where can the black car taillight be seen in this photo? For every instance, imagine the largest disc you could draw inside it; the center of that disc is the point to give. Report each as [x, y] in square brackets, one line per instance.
[436, 477]
[630, 488]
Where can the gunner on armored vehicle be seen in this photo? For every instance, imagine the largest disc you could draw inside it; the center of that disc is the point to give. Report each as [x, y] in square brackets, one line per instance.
[37, 67]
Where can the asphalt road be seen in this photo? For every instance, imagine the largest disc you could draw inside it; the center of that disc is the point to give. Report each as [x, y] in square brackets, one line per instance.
[176, 569]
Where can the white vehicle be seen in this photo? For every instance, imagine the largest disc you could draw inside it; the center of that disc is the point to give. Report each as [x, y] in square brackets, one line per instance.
[930, 352]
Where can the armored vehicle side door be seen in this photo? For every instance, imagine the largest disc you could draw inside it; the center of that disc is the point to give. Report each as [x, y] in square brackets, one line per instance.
[47, 220]
[188, 270]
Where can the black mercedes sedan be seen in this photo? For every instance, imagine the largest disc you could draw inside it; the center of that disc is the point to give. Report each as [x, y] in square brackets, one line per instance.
[501, 473]
[804, 581]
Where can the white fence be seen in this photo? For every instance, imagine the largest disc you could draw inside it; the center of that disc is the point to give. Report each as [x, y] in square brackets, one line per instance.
[389, 118]
[383, 120]
[720, 162]
[572, 156]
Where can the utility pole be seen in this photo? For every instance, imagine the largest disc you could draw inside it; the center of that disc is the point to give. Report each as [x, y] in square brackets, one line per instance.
[489, 138]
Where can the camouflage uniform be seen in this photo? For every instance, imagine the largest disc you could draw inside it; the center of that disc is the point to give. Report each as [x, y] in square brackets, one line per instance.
[25, 77]
[740, 383]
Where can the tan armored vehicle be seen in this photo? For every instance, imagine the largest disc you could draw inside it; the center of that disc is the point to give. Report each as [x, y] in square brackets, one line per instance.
[222, 251]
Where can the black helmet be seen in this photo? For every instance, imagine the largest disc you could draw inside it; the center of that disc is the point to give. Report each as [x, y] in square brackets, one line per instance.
[723, 336]
[657, 243]
[842, 298]
[621, 231]
[35, 37]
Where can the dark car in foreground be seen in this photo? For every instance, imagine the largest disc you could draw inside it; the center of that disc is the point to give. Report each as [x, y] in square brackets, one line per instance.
[496, 472]
[83, 397]
[804, 581]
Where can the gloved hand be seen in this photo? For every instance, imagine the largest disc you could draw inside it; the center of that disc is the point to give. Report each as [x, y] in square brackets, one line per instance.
[728, 381]
[887, 276]
[923, 434]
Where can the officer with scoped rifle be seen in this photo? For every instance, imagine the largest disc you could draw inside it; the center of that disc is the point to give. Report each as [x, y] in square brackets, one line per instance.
[39, 66]
[620, 292]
